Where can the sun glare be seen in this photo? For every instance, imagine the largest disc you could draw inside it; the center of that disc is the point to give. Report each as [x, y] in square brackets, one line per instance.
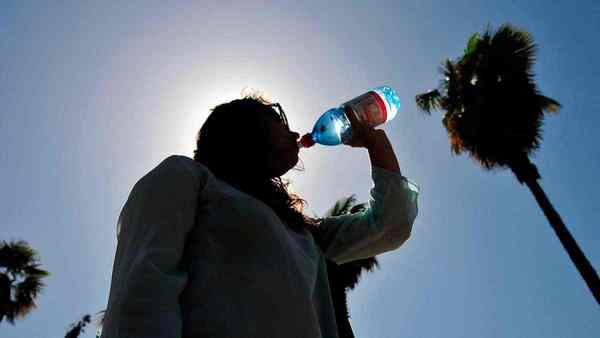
[196, 109]
[196, 106]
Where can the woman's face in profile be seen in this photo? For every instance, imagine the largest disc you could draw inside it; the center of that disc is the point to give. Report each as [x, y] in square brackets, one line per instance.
[283, 154]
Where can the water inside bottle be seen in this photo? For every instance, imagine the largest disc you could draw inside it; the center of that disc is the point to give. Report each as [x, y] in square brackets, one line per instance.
[333, 127]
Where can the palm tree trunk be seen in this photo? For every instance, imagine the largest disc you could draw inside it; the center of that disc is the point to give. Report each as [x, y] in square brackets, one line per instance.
[527, 173]
[340, 304]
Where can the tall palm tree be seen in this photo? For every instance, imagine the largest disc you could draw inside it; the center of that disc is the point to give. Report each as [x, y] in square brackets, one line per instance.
[494, 112]
[20, 280]
[345, 276]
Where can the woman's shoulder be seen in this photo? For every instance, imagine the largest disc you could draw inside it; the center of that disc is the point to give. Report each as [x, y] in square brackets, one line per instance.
[184, 163]
[177, 170]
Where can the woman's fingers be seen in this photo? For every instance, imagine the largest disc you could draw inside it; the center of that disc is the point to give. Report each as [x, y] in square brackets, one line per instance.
[361, 132]
[350, 115]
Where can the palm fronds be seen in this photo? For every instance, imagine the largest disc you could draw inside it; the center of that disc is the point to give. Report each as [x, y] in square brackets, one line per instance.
[78, 327]
[492, 108]
[429, 101]
[342, 206]
[20, 280]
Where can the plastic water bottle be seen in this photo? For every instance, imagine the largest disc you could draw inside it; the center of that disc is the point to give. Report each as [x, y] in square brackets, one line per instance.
[372, 108]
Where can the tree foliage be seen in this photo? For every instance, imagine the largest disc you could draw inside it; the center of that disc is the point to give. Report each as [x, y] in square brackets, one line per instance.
[492, 107]
[20, 280]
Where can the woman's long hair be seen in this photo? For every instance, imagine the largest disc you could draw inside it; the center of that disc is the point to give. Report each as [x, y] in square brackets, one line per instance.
[233, 144]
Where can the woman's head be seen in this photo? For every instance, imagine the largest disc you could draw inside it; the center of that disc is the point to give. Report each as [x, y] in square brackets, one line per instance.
[247, 143]
[247, 139]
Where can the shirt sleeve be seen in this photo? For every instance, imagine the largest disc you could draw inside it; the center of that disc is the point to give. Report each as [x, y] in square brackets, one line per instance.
[383, 226]
[148, 276]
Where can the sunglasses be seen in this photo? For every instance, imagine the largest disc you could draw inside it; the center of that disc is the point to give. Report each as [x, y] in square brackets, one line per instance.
[281, 113]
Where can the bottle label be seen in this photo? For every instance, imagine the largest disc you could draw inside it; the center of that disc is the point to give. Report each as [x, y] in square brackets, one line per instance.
[369, 108]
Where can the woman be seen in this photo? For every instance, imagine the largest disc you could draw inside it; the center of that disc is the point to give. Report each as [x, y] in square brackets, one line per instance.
[217, 247]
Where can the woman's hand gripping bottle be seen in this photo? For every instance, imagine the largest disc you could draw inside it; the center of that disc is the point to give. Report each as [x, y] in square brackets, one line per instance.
[373, 108]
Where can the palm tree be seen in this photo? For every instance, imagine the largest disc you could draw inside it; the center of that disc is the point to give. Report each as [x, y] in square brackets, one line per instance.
[494, 112]
[345, 276]
[20, 280]
[78, 327]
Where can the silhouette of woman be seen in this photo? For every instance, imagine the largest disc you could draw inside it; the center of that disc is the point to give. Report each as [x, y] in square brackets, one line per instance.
[215, 246]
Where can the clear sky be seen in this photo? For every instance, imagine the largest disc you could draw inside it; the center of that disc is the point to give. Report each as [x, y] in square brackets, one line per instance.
[93, 96]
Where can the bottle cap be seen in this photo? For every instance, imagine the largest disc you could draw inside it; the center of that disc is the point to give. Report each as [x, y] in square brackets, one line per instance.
[306, 141]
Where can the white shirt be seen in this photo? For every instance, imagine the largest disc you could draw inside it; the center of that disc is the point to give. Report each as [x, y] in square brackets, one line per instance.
[198, 258]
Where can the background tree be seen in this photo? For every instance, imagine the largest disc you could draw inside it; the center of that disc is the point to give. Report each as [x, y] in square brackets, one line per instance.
[20, 280]
[494, 112]
[78, 327]
[345, 277]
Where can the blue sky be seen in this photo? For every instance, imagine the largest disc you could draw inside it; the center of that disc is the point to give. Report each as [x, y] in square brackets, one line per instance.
[95, 95]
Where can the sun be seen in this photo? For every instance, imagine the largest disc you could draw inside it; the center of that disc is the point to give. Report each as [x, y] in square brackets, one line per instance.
[196, 100]
[195, 109]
